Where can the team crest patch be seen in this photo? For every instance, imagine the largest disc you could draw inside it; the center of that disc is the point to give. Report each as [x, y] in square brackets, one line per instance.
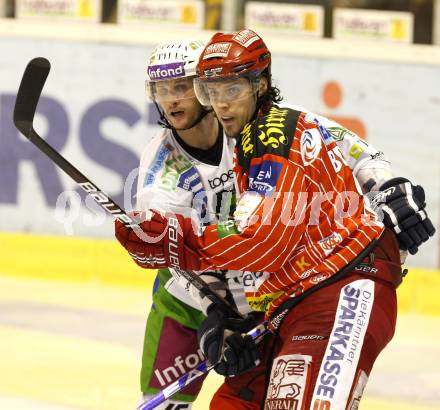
[288, 382]
[310, 145]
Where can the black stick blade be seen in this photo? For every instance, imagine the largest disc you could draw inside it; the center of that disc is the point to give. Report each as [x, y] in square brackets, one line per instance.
[29, 92]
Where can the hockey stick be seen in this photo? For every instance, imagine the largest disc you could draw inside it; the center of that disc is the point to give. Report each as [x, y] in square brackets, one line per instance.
[257, 334]
[26, 103]
[203, 368]
[28, 95]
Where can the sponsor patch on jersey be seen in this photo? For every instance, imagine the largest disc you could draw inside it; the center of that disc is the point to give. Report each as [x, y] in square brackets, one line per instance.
[341, 357]
[272, 134]
[216, 50]
[173, 360]
[378, 156]
[302, 263]
[253, 280]
[288, 382]
[339, 133]
[319, 277]
[174, 168]
[166, 71]
[246, 37]
[329, 243]
[224, 180]
[263, 177]
[325, 133]
[310, 145]
[246, 206]
[190, 180]
[261, 303]
[156, 166]
[302, 338]
[273, 131]
[356, 151]
[227, 228]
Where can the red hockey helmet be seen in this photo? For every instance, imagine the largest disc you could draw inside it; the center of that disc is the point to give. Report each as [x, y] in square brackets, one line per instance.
[233, 54]
[227, 56]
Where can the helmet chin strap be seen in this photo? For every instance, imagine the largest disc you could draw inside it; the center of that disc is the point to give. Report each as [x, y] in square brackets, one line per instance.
[163, 121]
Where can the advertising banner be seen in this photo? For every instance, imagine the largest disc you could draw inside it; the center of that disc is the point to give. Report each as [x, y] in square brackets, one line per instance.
[189, 14]
[295, 19]
[396, 26]
[65, 10]
[2, 8]
[94, 112]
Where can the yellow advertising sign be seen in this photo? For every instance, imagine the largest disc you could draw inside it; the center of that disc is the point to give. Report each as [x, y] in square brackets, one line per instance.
[295, 19]
[190, 14]
[61, 10]
[397, 26]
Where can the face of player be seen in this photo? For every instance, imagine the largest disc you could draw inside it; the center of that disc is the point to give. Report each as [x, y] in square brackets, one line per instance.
[234, 102]
[178, 102]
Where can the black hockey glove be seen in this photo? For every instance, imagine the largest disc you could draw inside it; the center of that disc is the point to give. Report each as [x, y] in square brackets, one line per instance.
[403, 206]
[222, 340]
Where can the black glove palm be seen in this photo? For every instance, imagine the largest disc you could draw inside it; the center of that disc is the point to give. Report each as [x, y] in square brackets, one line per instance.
[222, 340]
[403, 206]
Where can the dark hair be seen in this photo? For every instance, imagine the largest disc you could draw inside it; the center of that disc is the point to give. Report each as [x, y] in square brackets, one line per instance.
[273, 94]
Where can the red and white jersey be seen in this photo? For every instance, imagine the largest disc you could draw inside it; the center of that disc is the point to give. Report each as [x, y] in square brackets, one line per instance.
[300, 217]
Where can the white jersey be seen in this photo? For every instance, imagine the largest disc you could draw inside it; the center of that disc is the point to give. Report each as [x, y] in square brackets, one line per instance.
[172, 180]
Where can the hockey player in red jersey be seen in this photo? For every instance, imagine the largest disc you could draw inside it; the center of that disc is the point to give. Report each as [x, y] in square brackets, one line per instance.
[325, 266]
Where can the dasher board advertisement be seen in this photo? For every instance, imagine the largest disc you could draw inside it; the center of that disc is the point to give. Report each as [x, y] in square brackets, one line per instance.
[64, 10]
[182, 14]
[395, 26]
[295, 19]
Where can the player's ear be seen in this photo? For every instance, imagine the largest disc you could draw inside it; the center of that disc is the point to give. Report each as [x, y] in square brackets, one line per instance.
[262, 86]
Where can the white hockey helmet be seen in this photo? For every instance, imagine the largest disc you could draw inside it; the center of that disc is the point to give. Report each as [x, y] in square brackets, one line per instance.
[172, 60]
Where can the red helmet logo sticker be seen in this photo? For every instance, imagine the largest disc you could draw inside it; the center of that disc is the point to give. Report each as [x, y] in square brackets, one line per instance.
[216, 50]
[246, 37]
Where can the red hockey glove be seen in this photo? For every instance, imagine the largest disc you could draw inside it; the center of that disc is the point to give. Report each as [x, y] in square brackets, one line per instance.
[162, 241]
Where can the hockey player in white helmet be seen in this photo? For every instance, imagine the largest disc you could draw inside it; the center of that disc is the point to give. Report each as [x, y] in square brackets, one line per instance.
[188, 165]
[170, 74]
